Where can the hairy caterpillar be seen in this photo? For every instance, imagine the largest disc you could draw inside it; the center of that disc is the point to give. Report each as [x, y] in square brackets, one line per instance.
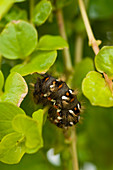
[64, 108]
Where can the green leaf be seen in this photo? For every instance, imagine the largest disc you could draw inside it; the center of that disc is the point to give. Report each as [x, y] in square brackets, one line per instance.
[15, 89]
[100, 9]
[12, 148]
[42, 12]
[49, 42]
[38, 116]
[30, 129]
[104, 61]
[81, 69]
[12, 14]
[7, 112]
[1, 81]
[37, 161]
[96, 90]
[40, 63]
[4, 6]
[18, 40]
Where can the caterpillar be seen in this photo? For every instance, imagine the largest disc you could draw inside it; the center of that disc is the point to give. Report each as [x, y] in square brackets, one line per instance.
[64, 107]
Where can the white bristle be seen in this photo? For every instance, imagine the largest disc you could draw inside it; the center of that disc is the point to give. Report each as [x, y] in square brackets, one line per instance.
[71, 123]
[70, 91]
[45, 95]
[52, 100]
[59, 118]
[51, 86]
[78, 105]
[56, 121]
[71, 111]
[58, 110]
[64, 98]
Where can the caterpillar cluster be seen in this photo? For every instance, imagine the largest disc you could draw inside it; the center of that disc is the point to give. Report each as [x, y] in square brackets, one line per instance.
[64, 108]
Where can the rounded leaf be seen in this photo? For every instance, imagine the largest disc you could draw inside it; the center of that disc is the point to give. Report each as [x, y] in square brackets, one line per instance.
[12, 148]
[42, 12]
[18, 40]
[104, 61]
[49, 42]
[12, 14]
[40, 63]
[96, 90]
[15, 89]
[38, 116]
[30, 129]
[7, 112]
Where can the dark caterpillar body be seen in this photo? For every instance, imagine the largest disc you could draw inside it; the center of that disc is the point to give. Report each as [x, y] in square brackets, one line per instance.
[64, 108]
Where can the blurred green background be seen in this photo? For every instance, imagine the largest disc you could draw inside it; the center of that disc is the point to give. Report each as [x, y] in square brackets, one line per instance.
[95, 130]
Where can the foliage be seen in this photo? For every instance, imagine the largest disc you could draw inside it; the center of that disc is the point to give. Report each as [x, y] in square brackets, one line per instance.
[29, 43]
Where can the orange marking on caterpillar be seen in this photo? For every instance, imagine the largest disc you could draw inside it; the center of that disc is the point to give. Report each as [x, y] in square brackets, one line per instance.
[55, 106]
[49, 98]
[60, 86]
[72, 100]
[46, 78]
[54, 82]
[67, 94]
[58, 113]
[75, 108]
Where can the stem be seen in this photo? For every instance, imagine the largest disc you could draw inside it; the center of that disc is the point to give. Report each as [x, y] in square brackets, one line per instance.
[0, 62]
[109, 82]
[73, 149]
[68, 65]
[78, 48]
[31, 8]
[92, 41]
[66, 55]
[45, 109]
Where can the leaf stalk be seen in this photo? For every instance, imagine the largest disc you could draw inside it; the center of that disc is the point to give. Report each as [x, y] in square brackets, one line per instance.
[92, 41]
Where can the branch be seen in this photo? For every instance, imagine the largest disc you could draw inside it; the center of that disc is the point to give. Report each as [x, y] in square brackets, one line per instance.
[92, 41]
[66, 55]
[78, 48]
[109, 82]
[73, 149]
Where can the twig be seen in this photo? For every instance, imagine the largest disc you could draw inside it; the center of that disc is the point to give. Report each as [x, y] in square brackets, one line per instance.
[67, 57]
[78, 48]
[92, 41]
[109, 82]
[74, 151]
